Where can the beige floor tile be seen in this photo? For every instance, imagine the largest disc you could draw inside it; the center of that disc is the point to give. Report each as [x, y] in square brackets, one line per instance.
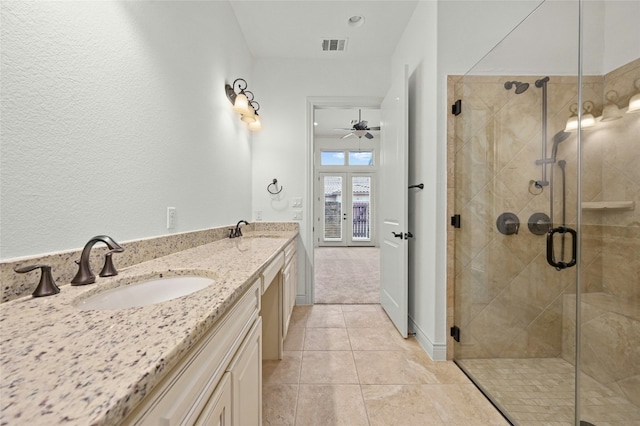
[375, 339]
[299, 316]
[279, 404]
[326, 339]
[366, 319]
[362, 308]
[463, 404]
[328, 367]
[334, 405]
[403, 405]
[404, 367]
[295, 339]
[323, 318]
[286, 370]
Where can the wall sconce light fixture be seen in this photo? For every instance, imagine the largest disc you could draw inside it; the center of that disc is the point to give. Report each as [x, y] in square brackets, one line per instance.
[634, 102]
[243, 103]
[611, 111]
[588, 120]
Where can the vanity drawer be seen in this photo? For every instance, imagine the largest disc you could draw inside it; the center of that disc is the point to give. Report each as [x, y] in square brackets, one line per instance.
[289, 251]
[181, 396]
[271, 271]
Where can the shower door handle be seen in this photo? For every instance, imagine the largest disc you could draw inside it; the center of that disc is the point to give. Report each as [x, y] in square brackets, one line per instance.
[550, 253]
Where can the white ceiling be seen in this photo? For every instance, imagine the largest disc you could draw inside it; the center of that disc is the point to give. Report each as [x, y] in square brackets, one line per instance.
[295, 28]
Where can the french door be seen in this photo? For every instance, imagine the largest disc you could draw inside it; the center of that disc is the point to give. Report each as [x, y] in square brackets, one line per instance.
[345, 209]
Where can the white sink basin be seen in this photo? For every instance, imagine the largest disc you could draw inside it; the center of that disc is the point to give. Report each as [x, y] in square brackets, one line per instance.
[145, 293]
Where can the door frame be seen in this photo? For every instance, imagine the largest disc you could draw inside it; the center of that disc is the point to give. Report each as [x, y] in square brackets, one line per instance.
[314, 102]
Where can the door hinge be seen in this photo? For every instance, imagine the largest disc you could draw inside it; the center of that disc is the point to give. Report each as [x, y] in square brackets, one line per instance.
[456, 108]
[455, 221]
[455, 333]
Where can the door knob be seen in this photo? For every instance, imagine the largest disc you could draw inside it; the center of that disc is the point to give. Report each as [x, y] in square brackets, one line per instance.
[398, 235]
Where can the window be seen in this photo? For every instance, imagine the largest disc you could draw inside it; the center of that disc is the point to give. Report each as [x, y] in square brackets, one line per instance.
[332, 158]
[361, 158]
[355, 158]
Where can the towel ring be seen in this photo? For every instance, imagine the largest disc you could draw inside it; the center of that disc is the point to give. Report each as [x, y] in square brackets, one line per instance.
[275, 185]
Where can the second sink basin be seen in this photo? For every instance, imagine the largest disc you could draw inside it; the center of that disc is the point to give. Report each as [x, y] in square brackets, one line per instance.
[145, 293]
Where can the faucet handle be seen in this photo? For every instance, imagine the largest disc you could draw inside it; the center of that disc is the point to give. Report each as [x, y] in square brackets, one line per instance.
[109, 270]
[46, 286]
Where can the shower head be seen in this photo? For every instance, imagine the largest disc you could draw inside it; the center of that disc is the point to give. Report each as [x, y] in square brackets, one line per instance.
[520, 87]
[559, 137]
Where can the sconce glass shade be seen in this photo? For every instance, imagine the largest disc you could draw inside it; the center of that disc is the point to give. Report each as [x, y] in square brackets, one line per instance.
[588, 120]
[572, 124]
[634, 103]
[611, 111]
[241, 104]
[256, 125]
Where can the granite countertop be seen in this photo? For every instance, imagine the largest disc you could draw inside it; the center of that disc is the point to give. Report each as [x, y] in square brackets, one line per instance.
[61, 365]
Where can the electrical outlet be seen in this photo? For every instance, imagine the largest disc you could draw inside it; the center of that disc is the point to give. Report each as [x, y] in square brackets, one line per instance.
[296, 202]
[297, 215]
[258, 215]
[171, 217]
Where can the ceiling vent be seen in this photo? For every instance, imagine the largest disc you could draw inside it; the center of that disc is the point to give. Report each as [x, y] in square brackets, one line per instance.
[334, 45]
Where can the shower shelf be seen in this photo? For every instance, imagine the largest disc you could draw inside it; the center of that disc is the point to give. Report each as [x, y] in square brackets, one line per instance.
[609, 205]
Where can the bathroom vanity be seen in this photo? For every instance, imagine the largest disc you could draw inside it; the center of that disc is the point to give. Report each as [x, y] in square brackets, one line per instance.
[195, 360]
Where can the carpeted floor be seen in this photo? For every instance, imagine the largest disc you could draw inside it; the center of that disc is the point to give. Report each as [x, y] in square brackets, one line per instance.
[347, 275]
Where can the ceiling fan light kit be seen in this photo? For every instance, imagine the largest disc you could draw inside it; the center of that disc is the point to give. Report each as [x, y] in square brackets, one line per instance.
[359, 128]
[244, 103]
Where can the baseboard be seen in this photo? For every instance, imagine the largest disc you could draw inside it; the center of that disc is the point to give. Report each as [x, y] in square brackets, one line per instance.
[437, 351]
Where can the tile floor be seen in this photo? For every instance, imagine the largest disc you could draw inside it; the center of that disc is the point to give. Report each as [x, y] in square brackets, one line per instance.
[539, 391]
[347, 365]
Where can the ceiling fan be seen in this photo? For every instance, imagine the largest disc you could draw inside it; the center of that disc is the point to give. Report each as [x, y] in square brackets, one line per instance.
[359, 128]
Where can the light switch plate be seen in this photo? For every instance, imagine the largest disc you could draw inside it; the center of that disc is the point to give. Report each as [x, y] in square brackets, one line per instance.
[258, 215]
[297, 215]
[296, 202]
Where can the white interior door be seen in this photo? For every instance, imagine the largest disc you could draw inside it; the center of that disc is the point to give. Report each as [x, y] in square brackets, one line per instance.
[393, 205]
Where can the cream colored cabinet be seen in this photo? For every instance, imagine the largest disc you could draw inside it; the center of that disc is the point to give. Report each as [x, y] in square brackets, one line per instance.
[289, 285]
[199, 390]
[217, 412]
[246, 379]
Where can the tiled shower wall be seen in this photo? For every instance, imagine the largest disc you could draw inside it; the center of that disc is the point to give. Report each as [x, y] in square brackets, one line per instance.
[610, 342]
[508, 300]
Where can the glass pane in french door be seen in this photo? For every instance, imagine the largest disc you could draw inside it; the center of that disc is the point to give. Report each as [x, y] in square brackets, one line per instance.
[361, 208]
[333, 207]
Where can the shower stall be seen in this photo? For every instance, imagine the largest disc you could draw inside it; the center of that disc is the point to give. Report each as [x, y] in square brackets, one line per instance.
[545, 189]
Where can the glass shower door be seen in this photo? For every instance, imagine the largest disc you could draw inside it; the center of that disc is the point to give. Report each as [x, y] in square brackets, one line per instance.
[515, 173]
[547, 256]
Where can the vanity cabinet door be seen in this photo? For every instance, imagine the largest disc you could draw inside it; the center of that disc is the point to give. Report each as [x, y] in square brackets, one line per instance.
[246, 380]
[217, 412]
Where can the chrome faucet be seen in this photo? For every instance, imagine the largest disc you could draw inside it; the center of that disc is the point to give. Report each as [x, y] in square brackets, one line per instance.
[237, 232]
[84, 275]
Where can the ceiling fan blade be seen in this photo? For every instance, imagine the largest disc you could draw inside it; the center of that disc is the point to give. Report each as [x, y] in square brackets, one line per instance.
[343, 128]
[368, 135]
[374, 128]
[347, 135]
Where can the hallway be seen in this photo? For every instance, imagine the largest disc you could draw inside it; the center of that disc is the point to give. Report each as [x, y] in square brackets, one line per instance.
[347, 275]
[347, 365]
